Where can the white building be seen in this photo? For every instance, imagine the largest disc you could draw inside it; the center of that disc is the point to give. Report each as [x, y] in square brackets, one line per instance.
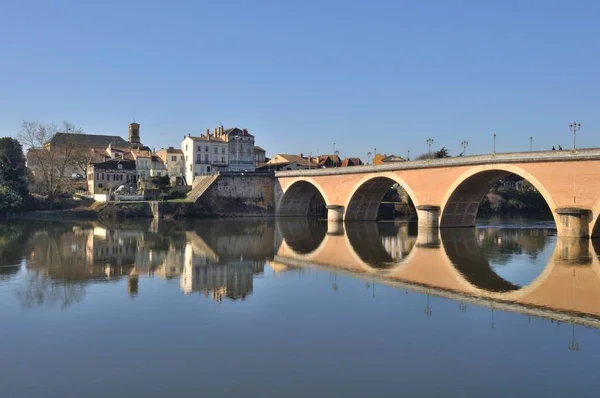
[203, 155]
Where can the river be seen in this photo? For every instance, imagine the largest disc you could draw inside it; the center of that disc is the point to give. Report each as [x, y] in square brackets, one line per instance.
[296, 308]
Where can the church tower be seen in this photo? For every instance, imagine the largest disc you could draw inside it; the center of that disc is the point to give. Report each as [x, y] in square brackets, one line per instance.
[134, 133]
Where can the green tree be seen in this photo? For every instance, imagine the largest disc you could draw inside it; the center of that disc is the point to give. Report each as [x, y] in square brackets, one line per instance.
[13, 172]
[442, 153]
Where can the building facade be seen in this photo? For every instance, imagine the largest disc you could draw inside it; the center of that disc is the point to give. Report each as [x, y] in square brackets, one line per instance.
[241, 148]
[174, 161]
[260, 156]
[107, 176]
[203, 155]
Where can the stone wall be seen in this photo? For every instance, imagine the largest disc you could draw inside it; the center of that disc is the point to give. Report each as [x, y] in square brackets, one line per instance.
[239, 195]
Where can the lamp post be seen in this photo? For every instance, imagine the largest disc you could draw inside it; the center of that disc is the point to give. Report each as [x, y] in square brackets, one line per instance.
[464, 146]
[429, 142]
[333, 146]
[574, 127]
[427, 310]
[531, 144]
[408, 157]
[337, 154]
[494, 143]
[368, 157]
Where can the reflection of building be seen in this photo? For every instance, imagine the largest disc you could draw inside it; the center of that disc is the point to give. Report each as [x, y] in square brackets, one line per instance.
[202, 272]
[398, 247]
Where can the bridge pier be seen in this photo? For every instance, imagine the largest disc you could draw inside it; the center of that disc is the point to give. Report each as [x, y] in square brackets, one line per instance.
[335, 213]
[428, 216]
[573, 251]
[574, 222]
[428, 238]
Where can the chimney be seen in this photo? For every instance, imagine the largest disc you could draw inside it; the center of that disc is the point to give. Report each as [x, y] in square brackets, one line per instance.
[207, 132]
[302, 155]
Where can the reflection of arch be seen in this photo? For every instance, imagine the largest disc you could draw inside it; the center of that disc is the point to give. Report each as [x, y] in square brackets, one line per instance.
[302, 235]
[595, 231]
[365, 198]
[462, 199]
[468, 258]
[296, 200]
[366, 240]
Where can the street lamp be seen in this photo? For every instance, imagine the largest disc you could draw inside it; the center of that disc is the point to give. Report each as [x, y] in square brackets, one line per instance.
[337, 154]
[494, 143]
[408, 157]
[531, 144]
[574, 127]
[333, 146]
[464, 146]
[429, 142]
[368, 157]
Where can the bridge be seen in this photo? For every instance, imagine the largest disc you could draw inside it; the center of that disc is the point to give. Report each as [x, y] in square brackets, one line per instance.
[449, 262]
[447, 192]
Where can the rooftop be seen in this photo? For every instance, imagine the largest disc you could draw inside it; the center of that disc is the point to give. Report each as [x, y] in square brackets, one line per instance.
[112, 164]
[92, 140]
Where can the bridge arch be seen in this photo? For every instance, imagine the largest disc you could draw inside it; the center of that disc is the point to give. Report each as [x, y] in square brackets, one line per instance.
[297, 199]
[595, 218]
[461, 201]
[366, 196]
[367, 241]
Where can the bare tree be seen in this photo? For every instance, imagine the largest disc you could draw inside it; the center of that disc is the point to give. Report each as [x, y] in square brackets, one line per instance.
[53, 158]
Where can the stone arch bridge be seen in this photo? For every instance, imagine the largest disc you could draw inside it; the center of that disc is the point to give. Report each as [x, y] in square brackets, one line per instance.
[447, 192]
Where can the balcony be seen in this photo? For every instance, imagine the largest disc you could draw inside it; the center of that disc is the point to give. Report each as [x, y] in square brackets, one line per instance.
[200, 161]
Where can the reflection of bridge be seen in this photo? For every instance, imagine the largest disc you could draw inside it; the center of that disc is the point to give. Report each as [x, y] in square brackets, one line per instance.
[447, 192]
[452, 263]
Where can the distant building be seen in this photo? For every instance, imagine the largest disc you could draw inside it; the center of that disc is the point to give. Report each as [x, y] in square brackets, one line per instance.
[241, 148]
[392, 158]
[204, 154]
[384, 158]
[109, 175]
[174, 161]
[260, 156]
[326, 161]
[288, 162]
[85, 149]
[348, 162]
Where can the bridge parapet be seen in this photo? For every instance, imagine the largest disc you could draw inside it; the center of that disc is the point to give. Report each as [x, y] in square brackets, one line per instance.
[511, 157]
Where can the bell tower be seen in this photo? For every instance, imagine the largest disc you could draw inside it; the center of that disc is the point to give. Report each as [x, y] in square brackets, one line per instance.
[134, 133]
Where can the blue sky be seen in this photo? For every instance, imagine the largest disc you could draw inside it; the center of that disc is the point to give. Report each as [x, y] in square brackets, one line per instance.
[303, 74]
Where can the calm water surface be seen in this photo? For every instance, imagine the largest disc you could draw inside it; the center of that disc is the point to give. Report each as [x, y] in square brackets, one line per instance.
[296, 309]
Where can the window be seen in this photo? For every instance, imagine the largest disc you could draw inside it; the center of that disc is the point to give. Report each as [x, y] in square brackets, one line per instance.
[186, 147]
[173, 158]
[205, 149]
[97, 176]
[199, 148]
[119, 167]
[222, 159]
[223, 150]
[216, 150]
[206, 157]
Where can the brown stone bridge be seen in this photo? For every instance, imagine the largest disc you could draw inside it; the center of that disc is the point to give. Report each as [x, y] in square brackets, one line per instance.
[449, 261]
[447, 192]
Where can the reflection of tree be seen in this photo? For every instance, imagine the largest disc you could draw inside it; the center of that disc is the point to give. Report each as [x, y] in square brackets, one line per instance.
[500, 245]
[13, 239]
[40, 290]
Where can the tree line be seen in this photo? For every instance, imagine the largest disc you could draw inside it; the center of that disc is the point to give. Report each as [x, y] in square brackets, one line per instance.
[51, 164]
